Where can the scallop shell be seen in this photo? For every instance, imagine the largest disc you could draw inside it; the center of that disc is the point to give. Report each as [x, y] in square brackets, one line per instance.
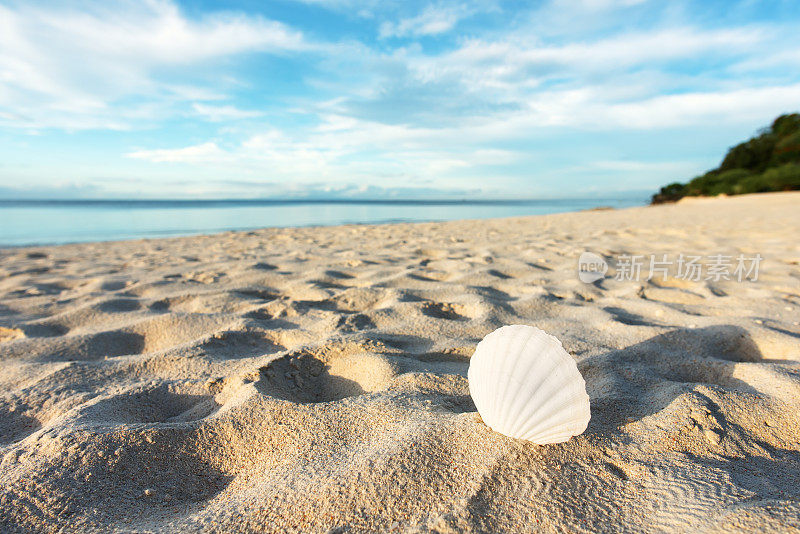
[526, 386]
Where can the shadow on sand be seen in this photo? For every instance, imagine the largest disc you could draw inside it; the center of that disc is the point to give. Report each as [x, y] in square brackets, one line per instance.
[643, 379]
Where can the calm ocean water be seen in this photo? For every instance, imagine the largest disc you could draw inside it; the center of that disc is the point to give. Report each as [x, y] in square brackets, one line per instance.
[45, 222]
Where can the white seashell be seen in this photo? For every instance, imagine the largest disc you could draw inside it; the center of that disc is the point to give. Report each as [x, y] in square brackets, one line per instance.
[526, 386]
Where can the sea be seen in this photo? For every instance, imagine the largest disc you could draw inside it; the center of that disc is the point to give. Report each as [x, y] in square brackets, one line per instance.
[50, 222]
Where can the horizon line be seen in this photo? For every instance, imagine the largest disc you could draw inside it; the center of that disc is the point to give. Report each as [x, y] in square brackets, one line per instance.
[294, 200]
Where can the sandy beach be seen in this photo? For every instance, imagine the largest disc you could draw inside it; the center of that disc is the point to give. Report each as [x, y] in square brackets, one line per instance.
[315, 379]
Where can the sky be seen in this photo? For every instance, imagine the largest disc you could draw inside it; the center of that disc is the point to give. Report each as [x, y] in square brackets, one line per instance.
[384, 98]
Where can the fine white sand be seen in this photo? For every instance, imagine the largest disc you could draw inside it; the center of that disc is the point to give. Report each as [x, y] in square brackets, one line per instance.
[314, 379]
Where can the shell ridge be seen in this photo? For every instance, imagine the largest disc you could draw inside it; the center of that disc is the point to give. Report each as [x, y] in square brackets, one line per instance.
[568, 425]
[577, 425]
[486, 348]
[565, 429]
[505, 363]
[477, 389]
[551, 384]
[579, 384]
[523, 412]
[554, 415]
[510, 392]
[552, 406]
[484, 352]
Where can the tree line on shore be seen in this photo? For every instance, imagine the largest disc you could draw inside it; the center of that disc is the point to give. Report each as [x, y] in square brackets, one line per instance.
[770, 161]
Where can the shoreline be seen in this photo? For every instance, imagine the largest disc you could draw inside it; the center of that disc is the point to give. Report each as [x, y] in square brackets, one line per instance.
[602, 208]
[124, 225]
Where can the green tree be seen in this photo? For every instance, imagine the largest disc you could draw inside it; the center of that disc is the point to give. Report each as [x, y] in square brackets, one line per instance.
[769, 161]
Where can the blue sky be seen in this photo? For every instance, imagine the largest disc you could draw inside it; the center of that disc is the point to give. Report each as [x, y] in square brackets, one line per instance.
[347, 98]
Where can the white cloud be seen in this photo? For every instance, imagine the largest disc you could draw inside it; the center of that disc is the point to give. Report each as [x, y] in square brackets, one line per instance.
[432, 21]
[351, 153]
[205, 152]
[784, 59]
[366, 9]
[346, 4]
[590, 110]
[158, 33]
[223, 113]
[69, 68]
[515, 86]
[270, 153]
[703, 107]
[596, 5]
[523, 62]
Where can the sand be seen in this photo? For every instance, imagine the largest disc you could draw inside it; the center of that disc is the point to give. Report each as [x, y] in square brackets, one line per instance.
[314, 379]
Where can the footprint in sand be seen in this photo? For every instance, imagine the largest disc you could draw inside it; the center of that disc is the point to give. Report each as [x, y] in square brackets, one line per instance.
[308, 378]
[15, 423]
[354, 322]
[339, 275]
[94, 346]
[443, 310]
[119, 305]
[625, 317]
[241, 344]
[162, 403]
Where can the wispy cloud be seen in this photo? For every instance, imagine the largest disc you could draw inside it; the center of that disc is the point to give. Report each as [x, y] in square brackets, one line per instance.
[223, 113]
[69, 68]
[202, 153]
[432, 21]
[596, 5]
[704, 107]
